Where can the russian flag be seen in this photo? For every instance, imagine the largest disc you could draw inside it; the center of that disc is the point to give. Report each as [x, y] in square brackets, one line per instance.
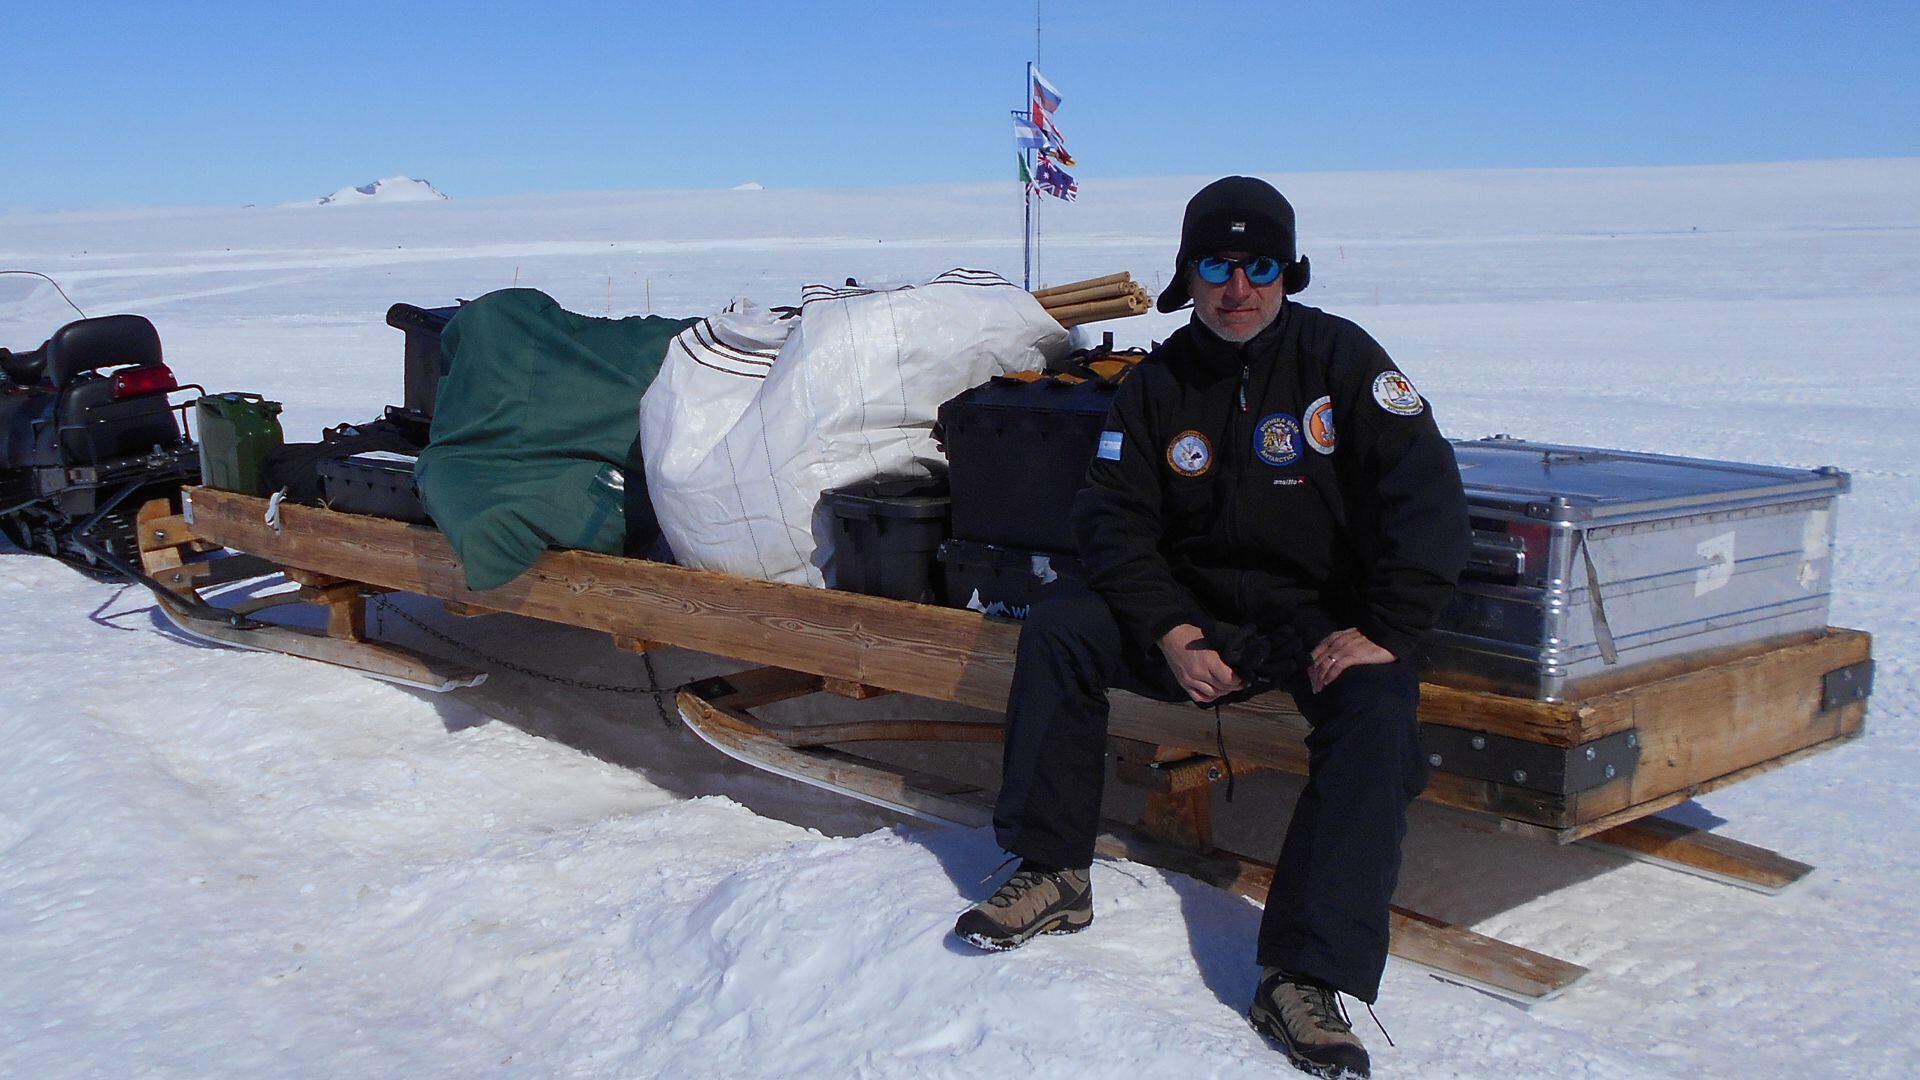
[1045, 98]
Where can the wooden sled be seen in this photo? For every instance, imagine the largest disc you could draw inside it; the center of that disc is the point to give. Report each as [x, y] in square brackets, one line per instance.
[1592, 771]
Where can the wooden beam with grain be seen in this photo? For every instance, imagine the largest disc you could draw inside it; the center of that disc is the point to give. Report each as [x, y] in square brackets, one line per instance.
[1697, 728]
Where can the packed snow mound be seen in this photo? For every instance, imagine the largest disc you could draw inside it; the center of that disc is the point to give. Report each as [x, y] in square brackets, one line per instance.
[390, 189]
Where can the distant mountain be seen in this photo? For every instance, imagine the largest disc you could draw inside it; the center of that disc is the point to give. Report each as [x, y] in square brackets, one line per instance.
[390, 189]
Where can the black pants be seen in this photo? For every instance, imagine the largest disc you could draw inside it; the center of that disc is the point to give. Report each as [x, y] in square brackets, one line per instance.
[1326, 914]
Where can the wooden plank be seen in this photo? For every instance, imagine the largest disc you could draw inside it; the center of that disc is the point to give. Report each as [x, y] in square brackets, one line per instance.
[754, 687]
[734, 733]
[158, 533]
[1601, 823]
[858, 731]
[1515, 971]
[1182, 818]
[253, 605]
[314, 579]
[1519, 974]
[1734, 712]
[162, 531]
[941, 653]
[1554, 723]
[347, 618]
[1185, 773]
[337, 592]
[170, 530]
[391, 663]
[1696, 851]
[189, 577]
[1697, 727]
[854, 691]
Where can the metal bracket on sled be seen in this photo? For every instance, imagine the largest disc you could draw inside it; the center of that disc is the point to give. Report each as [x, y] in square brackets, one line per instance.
[1844, 686]
[1558, 770]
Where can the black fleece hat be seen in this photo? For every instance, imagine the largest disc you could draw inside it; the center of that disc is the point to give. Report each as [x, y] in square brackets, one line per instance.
[1235, 213]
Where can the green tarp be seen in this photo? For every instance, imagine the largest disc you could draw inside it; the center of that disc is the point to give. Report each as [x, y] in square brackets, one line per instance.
[538, 410]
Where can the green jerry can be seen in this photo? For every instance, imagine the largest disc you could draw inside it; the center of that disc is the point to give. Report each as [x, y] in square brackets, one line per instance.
[236, 433]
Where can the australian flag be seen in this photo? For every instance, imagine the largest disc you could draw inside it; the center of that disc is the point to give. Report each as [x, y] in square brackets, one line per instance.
[1054, 180]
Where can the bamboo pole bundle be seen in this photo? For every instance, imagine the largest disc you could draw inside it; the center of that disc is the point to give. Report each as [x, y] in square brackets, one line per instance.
[1096, 311]
[1114, 296]
[1081, 296]
[1076, 286]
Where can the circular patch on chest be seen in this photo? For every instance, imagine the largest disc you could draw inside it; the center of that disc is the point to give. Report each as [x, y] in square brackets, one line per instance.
[1276, 440]
[1190, 454]
[1319, 425]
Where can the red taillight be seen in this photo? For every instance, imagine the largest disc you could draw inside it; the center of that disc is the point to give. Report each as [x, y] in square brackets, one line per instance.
[139, 381]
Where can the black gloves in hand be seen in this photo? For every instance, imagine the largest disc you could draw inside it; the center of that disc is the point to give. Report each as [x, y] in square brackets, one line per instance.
[1261, 658]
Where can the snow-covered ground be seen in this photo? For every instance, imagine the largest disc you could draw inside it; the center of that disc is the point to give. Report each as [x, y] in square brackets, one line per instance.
[216, 863]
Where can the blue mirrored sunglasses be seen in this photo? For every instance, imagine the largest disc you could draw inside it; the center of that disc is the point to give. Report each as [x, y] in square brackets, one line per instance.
[1261, 269]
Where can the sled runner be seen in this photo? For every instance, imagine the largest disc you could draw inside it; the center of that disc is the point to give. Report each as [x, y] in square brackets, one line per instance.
[1591, 770]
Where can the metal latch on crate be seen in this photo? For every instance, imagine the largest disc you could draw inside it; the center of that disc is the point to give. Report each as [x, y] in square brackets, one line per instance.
[1844, 686]
[1497, 555]
[1557, 770]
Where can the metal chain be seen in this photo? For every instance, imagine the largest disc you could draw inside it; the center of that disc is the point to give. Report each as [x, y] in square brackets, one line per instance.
[652, 687]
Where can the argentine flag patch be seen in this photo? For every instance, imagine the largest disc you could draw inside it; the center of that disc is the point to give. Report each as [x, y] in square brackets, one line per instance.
[1109, 445]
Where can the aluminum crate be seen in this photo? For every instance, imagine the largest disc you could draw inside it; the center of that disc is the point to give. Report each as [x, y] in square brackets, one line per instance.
[1592, 568]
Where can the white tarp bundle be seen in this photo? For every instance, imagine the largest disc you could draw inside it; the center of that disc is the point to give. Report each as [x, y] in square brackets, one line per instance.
[755, 412]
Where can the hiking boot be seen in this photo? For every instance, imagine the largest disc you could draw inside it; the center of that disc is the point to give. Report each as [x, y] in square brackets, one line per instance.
[1306, 1020]
[1032, 902]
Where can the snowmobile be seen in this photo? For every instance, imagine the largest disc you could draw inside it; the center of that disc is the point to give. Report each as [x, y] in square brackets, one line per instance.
[90, 434]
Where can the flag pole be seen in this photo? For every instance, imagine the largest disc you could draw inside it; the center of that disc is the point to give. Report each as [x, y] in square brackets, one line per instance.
[1026, 234]
[1030, 231]
[1032, 69]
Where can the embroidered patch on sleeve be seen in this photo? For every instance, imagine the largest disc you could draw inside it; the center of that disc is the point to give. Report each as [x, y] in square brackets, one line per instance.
[1393, 392]
[1110, 442]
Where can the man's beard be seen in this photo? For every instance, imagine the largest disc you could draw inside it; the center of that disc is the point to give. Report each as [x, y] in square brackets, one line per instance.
[1234, 338]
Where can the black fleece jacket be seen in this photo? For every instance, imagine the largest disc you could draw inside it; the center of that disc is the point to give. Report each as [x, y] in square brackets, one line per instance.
[1296, 483]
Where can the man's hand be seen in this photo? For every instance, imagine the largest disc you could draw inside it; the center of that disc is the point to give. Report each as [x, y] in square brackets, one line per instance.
[1339, 651]
[1197, 665]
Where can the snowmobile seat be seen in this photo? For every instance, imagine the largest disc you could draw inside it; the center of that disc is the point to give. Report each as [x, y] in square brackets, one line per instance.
[108, 341]
[24, 368]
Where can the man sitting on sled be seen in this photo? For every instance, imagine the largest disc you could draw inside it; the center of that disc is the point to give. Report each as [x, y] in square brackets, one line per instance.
[1271, 506]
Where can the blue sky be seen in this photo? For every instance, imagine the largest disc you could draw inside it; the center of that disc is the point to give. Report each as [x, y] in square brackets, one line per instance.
[225, 103]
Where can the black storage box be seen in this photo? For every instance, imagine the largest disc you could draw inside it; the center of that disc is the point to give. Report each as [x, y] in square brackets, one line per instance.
[1017, 453]
[375, 482]
[1004, 581]
[886, 538]
[426, 365]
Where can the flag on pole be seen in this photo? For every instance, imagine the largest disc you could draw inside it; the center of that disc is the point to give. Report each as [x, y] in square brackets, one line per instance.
[1025, 176]
[1045, 98]
[1056, 147]
[1054, 180]
[1028, 135]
